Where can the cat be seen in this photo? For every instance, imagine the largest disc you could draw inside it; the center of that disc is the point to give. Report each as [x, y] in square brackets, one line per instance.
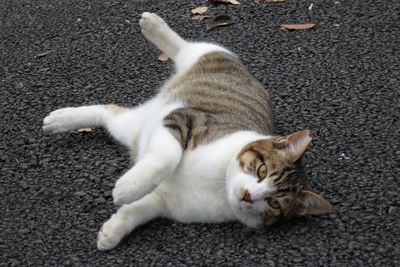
[204, 146]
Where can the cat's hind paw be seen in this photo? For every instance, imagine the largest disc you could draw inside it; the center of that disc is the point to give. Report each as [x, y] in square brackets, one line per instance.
[73, 118]
[60, 121]
[152, 24]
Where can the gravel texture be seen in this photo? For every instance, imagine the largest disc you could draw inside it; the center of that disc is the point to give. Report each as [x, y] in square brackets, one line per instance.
[339, 79]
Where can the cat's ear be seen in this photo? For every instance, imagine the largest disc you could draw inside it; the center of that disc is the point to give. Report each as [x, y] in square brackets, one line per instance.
[294, 145]
[313, 203]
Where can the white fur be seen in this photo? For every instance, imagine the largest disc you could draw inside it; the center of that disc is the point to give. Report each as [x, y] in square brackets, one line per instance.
[162, 156]
[68, 119]
[159, 33]
[202, 185]
[194, 192]
[237, 180]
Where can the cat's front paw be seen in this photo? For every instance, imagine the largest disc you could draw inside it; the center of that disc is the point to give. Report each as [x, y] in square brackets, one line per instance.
[127, 190]
[110, 234]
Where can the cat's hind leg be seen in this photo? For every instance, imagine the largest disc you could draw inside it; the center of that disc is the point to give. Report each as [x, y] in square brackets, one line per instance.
[122, 123]
[127, 218]
[184, 53]
[73, 118]
[159, 33]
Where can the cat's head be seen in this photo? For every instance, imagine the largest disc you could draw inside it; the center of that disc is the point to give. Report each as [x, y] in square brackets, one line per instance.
[265, 185]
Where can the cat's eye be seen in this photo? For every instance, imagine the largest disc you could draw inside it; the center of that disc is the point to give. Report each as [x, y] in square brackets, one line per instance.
[273, 203]
[262, 172]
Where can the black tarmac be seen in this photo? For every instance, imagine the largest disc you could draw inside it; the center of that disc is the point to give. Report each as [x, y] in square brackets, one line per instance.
[340, 79]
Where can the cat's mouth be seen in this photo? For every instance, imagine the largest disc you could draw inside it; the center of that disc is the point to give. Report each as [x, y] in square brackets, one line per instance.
[247, 197]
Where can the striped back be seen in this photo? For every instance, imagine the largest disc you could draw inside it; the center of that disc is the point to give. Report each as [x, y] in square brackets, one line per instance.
[220, 97]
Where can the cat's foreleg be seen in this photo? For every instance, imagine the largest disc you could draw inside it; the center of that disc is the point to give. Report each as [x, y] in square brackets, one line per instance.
[162, 155]
[127, 218]
[159, 33]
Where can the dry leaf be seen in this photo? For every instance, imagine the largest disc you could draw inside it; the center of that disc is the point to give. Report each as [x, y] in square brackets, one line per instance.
[200, 17]
[344, 157]
[297, 26]
[82, 130]
[340, 2]
[233, 2]
[128, 21]
[311, 6]
[163, 57]
[219, 21]
[336, 25]
[199, 10]
[344, 71]
[21, 84]
[255, 3]
[43, 54]
[258, 2]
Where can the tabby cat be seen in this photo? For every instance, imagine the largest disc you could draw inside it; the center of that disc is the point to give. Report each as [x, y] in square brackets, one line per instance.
[203, 146]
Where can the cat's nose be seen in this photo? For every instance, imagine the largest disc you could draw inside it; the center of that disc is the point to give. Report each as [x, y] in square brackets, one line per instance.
[247, 197]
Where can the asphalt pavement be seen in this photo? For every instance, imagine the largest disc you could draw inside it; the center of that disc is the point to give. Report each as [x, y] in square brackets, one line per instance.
[339, 79]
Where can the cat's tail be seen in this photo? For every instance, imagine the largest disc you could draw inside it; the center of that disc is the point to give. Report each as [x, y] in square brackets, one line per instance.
[159, 33]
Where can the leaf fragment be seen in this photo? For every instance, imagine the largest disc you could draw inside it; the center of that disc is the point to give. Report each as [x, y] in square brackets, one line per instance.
[43, 54]
[233, 2]
[219, 21]
[163, 57]
[297, 26]
[258, 2]
[199, 10]
[82, 130]
[44, 70]
[344, 157]
[394, 209]
[255, 3]
[21, 84]
[200, 17]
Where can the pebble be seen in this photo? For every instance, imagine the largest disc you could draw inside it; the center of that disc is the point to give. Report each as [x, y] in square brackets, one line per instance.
[80, 194]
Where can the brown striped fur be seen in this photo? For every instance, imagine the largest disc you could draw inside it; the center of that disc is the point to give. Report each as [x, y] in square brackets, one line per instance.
[220, 97]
